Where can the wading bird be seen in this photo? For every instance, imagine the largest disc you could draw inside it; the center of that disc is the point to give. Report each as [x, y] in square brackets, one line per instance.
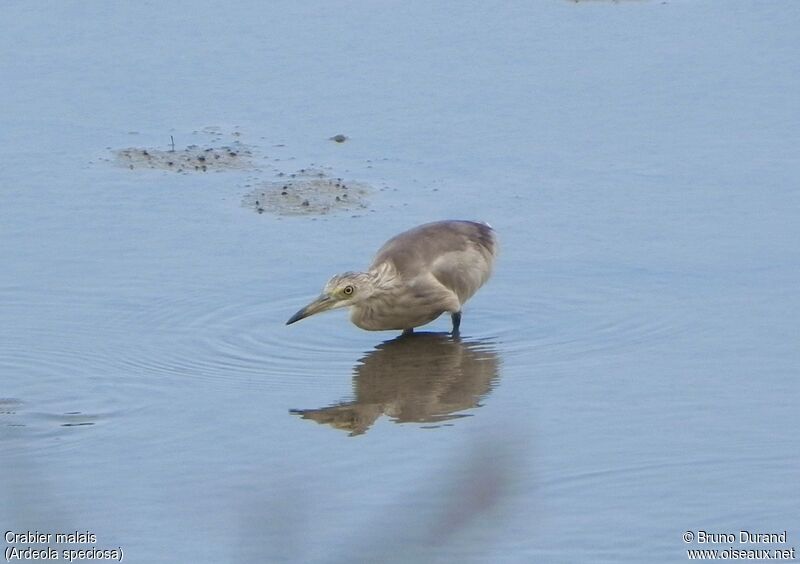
[416, 276]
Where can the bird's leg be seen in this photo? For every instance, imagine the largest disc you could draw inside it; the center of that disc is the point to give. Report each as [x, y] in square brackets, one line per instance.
[456, 322]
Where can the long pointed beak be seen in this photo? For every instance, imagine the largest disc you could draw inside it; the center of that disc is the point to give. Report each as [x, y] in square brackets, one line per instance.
[322, 303]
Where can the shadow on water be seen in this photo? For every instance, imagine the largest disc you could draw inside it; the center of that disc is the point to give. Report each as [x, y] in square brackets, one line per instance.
[456, 511]
[418, 378]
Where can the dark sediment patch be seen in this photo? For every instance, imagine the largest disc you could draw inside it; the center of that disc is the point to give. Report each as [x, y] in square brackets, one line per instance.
[193, 158]
[308, 192]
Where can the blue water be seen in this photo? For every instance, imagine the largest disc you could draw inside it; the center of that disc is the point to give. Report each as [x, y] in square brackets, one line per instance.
[628, 374]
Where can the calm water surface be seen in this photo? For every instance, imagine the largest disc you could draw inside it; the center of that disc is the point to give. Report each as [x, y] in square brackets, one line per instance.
[629, 373]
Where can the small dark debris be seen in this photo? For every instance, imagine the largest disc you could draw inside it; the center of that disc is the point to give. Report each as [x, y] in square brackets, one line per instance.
[339, 138]
[305, 203]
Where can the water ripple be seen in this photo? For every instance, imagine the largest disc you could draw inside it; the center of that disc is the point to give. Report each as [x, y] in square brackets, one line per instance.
[235, 339]
[575, 318]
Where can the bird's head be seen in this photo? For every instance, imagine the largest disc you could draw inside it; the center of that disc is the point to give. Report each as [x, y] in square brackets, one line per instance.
[342, 290]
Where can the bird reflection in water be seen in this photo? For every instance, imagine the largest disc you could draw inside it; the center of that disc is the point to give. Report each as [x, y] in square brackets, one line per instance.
[415, 378]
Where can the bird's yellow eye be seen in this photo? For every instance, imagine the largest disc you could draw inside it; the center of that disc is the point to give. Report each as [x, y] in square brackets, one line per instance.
[348, 290]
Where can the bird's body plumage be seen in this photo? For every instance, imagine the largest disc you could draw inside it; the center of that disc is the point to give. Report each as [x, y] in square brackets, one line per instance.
[415, 277]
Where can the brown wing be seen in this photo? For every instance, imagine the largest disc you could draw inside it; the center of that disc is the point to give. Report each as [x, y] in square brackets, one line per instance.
[459, 254]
